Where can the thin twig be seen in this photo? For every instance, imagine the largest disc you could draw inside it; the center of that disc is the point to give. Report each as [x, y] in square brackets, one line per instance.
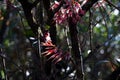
[103, 16]
[39, 50]
[81, 59]
[90, 30]
[66, 35]
[4, 66]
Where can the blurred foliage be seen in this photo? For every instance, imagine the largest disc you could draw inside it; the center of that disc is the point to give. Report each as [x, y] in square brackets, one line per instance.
[99, 32]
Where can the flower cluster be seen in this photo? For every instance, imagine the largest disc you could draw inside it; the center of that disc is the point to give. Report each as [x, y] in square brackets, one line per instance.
[71, 9]
[52, 52]
[101, 3]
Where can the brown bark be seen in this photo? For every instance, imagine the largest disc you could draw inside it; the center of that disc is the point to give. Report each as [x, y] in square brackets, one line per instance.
[75, 49]
[74, 39]
[27, 7]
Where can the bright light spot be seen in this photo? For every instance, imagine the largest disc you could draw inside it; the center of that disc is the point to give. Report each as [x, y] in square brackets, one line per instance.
[99, 73]
[63, 70]
[102, 51]
[72, 74]
[29, 53]
[27, 73]
[118, 59]
[118, 37]
[32, 38]
[116, 12]
[98, 25]
[103, 22]
[68, 68]
[88, 69]
[88, 51]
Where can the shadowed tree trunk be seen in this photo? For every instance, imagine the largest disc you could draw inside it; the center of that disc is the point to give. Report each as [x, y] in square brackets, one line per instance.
[74, 39]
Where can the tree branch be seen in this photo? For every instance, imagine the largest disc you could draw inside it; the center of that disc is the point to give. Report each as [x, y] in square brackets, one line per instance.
[27, 7]
[74, 39]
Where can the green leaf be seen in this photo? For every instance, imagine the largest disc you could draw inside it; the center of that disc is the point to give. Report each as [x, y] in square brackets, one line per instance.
[2, 74]
[47, 27]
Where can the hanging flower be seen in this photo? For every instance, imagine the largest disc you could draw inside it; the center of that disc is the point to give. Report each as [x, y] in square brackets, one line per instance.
[55, 5]
[51, 51]
[71, 9]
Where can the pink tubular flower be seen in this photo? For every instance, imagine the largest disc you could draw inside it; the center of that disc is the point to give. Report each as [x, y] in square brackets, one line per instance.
[70, 9]
[55, 5]
[52, 52]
